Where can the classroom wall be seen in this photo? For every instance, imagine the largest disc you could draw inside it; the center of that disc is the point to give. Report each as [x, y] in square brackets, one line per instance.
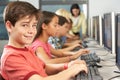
[96, 7]
[99, 7]
[33, 2]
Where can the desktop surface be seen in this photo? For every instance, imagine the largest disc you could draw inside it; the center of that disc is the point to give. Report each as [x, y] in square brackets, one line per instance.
[107, 62]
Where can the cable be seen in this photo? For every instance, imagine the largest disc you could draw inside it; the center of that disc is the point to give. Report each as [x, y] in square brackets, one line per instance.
[108, 65]
[114, 77]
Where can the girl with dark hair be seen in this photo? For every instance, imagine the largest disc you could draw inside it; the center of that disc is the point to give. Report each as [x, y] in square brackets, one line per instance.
[48, 26]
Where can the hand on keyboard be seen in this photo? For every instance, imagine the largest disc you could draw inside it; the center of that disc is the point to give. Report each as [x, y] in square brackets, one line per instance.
[79, 53]
[91, 60]
[84, 51]
[93, 74]
[85, 41]
[77, 66]
[91, 57]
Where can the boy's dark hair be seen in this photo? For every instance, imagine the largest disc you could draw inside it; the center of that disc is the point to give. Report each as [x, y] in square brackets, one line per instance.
[74, 6]
[18, 9]
[46, 17]
[62, 20]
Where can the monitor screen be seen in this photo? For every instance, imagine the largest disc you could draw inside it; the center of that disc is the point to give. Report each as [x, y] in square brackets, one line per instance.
[108, 31]
[118, 40]
[97, 29]
[94, 27]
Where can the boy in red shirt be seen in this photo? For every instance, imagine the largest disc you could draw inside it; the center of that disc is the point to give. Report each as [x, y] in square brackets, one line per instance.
[19, 62]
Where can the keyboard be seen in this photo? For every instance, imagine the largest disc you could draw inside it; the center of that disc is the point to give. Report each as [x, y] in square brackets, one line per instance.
[84, 45]
[85, 41]
[77, 48]
[90, 58]
[93, 74]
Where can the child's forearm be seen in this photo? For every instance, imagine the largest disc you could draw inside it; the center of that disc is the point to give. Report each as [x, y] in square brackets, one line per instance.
[54, 68]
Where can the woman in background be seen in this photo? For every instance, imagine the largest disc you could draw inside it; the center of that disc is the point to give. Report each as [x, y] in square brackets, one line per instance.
[79, 21]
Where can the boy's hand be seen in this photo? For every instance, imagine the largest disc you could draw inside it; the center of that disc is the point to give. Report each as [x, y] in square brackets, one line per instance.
[84, 51]
[81, 63]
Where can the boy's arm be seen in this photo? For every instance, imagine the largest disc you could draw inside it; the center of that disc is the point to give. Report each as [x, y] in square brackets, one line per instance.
[61, 52]
[54, 68]
[65, 74]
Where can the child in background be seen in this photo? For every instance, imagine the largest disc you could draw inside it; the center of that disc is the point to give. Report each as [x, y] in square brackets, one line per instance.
[75, 39]
[58, 41]
[19, 62]
[48, 26]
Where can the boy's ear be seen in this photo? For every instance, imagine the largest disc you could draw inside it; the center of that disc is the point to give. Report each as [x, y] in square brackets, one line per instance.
[8, 26]
[44, 26]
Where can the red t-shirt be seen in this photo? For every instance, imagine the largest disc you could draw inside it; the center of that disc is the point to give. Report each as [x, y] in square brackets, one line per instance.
[20, 64]
[46, 46]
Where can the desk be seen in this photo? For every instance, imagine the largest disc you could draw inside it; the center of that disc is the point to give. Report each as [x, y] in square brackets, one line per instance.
[107, 61]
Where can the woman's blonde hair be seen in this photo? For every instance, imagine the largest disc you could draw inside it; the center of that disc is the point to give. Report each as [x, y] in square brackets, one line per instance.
[64, 13]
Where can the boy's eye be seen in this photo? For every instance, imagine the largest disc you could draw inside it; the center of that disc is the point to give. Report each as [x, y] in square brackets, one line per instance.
[25, 25]
[34, 25]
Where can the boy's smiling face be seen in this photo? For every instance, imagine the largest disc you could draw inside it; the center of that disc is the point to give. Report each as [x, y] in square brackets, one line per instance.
[23, 32]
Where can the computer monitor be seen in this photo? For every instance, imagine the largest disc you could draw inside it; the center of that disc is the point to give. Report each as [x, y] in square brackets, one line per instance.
[118, 40]
[109, 32]
[94, 30]
[97, 29]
